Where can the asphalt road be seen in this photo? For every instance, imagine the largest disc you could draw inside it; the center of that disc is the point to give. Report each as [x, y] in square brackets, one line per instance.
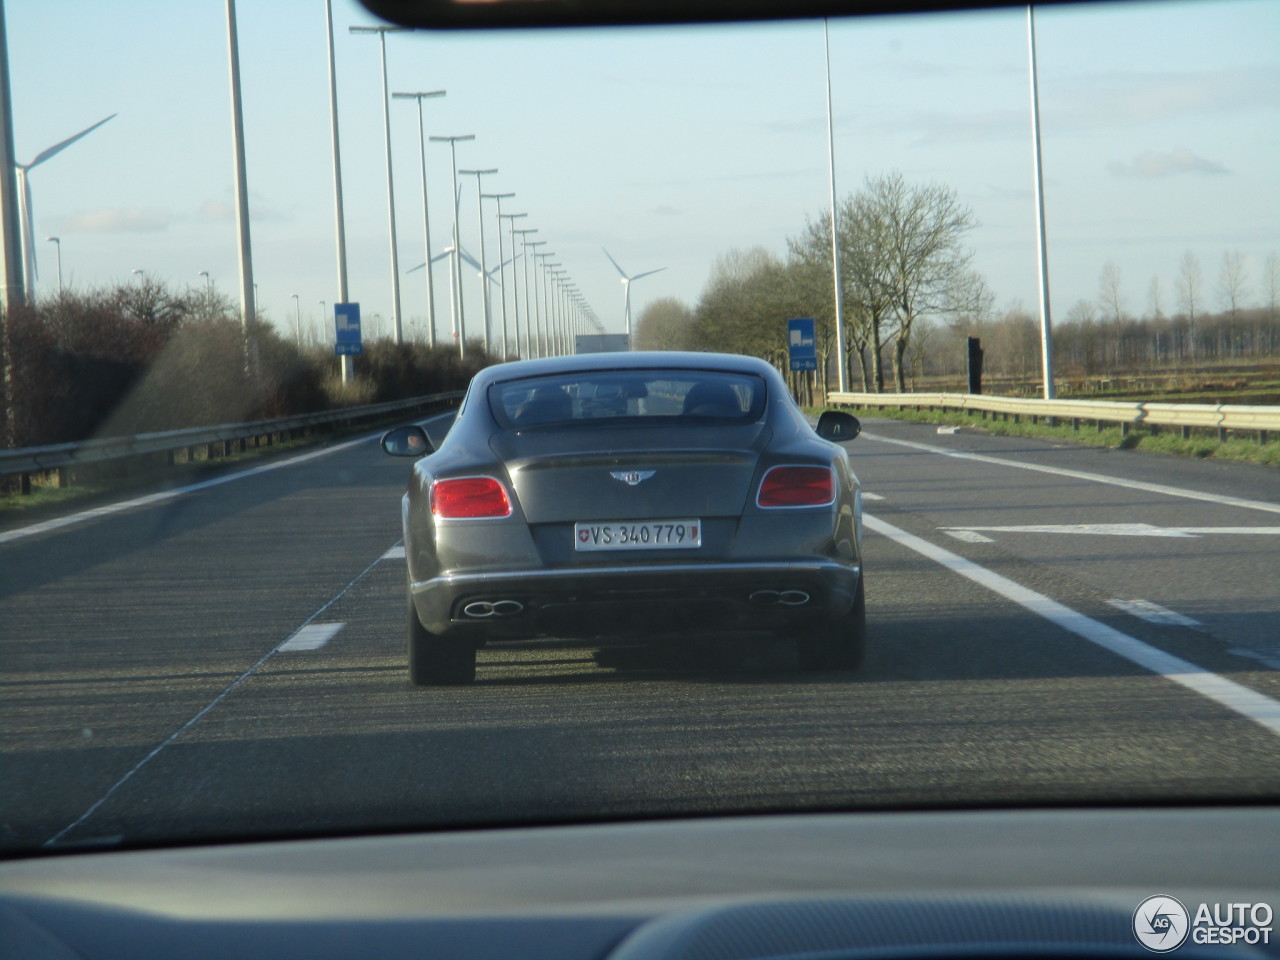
[229, 661]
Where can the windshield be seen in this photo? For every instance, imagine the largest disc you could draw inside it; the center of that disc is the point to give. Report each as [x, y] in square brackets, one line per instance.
[628, 395]
[203, 635]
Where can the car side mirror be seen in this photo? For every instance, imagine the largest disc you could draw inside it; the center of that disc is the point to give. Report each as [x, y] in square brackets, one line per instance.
[411, 441]
[837, 426]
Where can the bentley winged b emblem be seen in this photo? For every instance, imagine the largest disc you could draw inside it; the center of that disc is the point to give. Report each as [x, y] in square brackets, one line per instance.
[631, 477]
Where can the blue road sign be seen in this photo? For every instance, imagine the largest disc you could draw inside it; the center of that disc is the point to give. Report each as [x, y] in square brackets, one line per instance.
[346, 322]
[802, 343]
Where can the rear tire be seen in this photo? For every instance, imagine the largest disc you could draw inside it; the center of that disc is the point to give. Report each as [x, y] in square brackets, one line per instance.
[839, 644]
[436, 661]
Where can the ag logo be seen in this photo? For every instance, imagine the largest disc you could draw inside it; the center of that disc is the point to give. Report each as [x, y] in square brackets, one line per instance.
[1161, 924]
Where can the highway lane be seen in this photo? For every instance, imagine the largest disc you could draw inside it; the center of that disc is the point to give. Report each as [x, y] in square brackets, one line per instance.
[143, 700]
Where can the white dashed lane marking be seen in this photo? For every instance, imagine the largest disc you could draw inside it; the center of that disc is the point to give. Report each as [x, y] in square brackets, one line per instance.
[311, 637]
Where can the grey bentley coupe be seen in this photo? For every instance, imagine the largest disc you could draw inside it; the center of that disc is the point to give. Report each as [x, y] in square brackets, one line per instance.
[631, 494]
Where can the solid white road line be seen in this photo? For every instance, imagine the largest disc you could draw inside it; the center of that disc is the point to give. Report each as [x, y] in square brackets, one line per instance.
[1084, 475]
[112, 508]
[395, 553]
[311, 637]
[1248, 703]
[1154, 613]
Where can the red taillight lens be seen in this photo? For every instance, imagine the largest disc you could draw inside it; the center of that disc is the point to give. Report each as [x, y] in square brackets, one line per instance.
[797, 487]
[469, 497]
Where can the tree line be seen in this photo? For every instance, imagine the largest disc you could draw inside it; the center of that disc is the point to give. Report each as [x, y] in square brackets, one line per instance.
[142, 357]
[910, 298]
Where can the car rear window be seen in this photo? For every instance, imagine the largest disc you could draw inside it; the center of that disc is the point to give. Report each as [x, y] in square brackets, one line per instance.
[689, 396]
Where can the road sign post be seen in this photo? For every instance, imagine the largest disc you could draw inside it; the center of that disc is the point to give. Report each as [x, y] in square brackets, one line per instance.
[346, 323]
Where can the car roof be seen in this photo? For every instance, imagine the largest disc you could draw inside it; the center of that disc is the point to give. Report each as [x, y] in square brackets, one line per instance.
[639, 360]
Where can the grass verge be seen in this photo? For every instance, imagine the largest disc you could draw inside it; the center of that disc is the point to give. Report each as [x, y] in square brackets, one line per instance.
[1167, 441]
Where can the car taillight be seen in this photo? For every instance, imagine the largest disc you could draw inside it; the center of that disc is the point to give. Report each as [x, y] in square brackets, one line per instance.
[470, 498]
[797, 487]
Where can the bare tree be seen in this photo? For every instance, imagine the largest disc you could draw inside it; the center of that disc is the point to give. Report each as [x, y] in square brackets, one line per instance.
[1111, 302]
[1155, 302]
[662, 325]
[1233, 283]
[918, 236]
[1190, 287]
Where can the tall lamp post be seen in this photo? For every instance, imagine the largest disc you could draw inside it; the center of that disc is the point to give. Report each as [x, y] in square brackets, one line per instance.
[841, 362]
[502, 264]
[391, 192]
[455, 272]
[515, 287]
[340, 230]
[248, 301]
[1042, 253]
[57, 241]
[560, 278]
[297, 314]
[426, 216]
[544, 328]
[208, 284]
[533, 320]
[484, 267]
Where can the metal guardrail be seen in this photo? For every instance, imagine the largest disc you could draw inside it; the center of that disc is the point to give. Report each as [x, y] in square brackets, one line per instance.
[28, 460]
[1186, 416]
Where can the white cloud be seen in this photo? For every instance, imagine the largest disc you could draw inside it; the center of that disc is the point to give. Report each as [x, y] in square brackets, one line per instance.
[216, 210]
[122, 220]
[1150, 165]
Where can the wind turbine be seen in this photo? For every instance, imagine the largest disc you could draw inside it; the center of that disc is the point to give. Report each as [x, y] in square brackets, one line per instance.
[25, 214]
[471, 261]
[626, 290]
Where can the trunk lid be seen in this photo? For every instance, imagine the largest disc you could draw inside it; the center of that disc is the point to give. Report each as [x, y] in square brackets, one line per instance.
[663, 472]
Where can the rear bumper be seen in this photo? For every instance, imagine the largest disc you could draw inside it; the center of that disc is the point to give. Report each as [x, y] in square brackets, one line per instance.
[637, 598]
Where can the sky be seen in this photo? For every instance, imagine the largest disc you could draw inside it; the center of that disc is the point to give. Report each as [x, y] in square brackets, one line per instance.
[668, 147]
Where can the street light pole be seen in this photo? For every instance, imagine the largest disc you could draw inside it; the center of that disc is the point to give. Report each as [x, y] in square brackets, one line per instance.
[248, 305]
[426, 216]
[841, 362]
[545, 320]
[297, 312]
[208, 284]
[455, 274]
[515, 284]
[347, 361]
[533, 326]
[391, 193]
[484, 268]
[559, 277]
[1042, 252]
[502, 264]
[58, 242]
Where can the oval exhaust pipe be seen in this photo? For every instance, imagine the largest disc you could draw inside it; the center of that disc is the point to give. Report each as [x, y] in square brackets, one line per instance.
[481, 609]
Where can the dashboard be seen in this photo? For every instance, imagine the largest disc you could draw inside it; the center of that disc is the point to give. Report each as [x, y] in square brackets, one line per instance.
[989, 883]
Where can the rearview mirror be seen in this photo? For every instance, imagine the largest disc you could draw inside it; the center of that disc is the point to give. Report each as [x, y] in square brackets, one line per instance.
[411, 441]
[838, 426]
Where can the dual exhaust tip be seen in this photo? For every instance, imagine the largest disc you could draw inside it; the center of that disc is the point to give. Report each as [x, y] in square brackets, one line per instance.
[483, 609]
[784, 598]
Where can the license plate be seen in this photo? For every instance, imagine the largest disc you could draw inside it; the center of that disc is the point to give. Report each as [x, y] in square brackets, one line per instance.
[635, 535]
